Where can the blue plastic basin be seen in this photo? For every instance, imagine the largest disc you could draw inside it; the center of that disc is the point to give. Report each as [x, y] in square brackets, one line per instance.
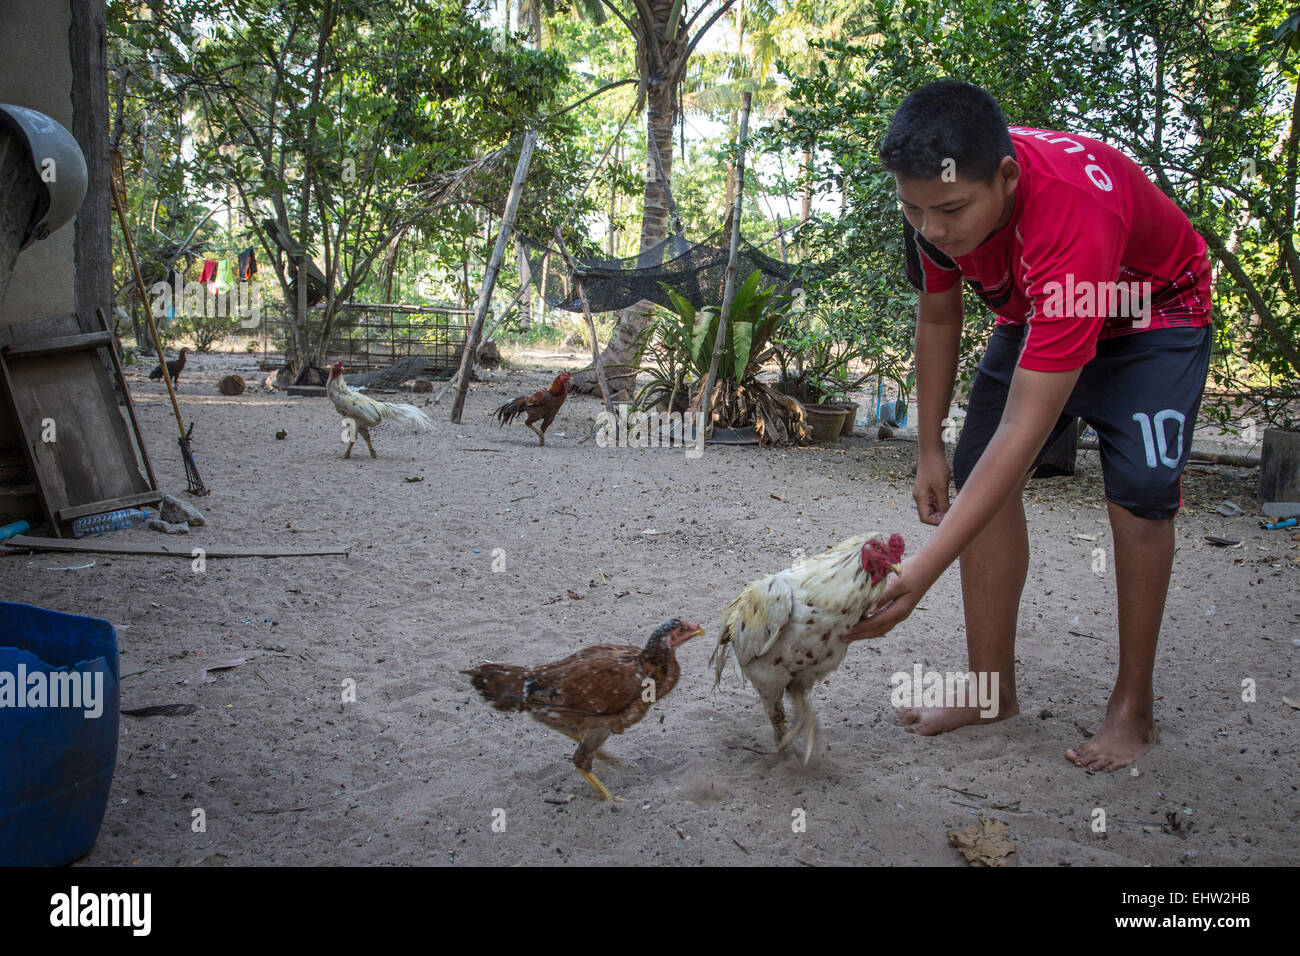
[56, 762]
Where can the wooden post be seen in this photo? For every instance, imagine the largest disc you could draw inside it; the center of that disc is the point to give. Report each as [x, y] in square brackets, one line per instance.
[729, 288]
[93, 239]
[490, 277]
[1279, 470]
[304, 341]
[591, 325]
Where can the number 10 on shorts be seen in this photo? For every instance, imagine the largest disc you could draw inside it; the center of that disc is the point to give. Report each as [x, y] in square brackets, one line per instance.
[1153, 436]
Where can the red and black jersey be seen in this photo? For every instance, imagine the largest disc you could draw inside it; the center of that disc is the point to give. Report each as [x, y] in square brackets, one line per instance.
[1093, 250]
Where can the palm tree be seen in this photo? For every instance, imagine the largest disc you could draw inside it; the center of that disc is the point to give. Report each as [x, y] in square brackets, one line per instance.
[666, 35]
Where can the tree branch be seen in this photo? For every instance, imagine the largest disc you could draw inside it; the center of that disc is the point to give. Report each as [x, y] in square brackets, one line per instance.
[680, 66]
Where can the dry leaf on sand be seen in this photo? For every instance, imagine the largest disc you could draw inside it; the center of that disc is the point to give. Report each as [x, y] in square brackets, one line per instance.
[987, 843]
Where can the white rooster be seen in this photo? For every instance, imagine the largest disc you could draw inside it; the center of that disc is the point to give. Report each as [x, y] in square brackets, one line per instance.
[785, 629]
[368, 413]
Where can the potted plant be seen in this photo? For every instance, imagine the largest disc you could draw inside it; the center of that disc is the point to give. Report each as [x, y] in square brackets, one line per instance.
[680, 346]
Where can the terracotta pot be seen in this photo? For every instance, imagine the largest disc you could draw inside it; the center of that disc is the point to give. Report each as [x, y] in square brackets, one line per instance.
[793, 388]
[826, 422]
[850, 416]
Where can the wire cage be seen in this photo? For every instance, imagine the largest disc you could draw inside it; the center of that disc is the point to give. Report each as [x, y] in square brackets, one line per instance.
[375, 335]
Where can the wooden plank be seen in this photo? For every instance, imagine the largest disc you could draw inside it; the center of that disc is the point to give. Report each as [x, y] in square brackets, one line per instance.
[95, 546]
[92, 458]
[68, 343]
[29, 449]
[103, 507]
[490, 274]
[130, 405]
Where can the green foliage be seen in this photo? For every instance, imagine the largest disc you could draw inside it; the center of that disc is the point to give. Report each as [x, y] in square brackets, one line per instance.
[204, 331]
[345, 121]
[1201, 94]
[680, 342]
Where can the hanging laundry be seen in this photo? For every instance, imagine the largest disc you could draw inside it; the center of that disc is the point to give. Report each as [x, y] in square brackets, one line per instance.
[247, 264]
[209, 270]
[225, 276]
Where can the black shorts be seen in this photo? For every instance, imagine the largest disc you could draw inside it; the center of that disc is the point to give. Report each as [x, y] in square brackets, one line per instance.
[1141, 393]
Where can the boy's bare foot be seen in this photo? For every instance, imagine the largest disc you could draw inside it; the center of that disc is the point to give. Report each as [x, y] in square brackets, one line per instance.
[928, 721]
[1123, 738]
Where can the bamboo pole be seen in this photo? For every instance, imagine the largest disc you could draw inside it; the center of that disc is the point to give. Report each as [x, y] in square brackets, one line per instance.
[117, 198]
[490, 277]
[487, 336]
[729, 288]
[546, 258]
[119, 205]
[591, 325]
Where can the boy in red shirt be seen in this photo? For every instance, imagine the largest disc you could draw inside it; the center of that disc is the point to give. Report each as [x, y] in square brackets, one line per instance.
[1101, 290]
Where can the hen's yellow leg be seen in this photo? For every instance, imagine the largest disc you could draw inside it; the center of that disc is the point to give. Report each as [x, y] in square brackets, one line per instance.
[541, 439]
[366, 436]
[600, 787]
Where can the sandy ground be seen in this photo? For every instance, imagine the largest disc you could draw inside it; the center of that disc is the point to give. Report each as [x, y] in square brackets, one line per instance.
[417, 770]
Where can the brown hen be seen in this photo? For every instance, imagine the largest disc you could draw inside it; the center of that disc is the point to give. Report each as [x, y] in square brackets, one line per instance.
[589, 695]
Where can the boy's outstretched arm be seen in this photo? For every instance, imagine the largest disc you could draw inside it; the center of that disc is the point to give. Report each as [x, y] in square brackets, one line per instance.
[938, 341]
[1033, 406]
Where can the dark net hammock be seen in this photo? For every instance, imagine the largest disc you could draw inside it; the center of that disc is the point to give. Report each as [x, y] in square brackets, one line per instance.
[696, 271]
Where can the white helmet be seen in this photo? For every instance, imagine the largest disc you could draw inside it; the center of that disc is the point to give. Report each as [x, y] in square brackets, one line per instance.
[50, 147]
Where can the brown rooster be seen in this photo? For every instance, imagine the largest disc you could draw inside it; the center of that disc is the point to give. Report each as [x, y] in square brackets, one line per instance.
[589, 695]
[539, 405]
[174, 369]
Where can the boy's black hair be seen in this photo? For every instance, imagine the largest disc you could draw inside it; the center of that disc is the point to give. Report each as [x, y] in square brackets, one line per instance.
[947, 119]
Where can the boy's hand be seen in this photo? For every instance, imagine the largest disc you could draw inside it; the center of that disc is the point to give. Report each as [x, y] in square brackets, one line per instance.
[902, 594]
[933, 475]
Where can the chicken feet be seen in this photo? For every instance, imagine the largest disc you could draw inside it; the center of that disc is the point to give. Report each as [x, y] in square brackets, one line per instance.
[588, 748]
[364, 433]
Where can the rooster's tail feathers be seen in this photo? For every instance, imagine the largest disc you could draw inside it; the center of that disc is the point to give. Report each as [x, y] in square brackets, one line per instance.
[506, 413]
[502, 685]
[805, 722]
[721, 652]
[405, 415]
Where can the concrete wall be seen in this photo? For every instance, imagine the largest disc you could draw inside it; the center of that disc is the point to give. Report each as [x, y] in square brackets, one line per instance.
[36, 71]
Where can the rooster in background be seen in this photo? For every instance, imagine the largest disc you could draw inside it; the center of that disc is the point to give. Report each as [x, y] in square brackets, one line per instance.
[589, 695]
[174, 368]
[785, 629]
[367, 412]
[539, 405]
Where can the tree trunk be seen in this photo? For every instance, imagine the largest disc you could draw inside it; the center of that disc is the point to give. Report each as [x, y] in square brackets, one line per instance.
[93, 242]
[390, 264]
[619, 356]
[805, 197]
